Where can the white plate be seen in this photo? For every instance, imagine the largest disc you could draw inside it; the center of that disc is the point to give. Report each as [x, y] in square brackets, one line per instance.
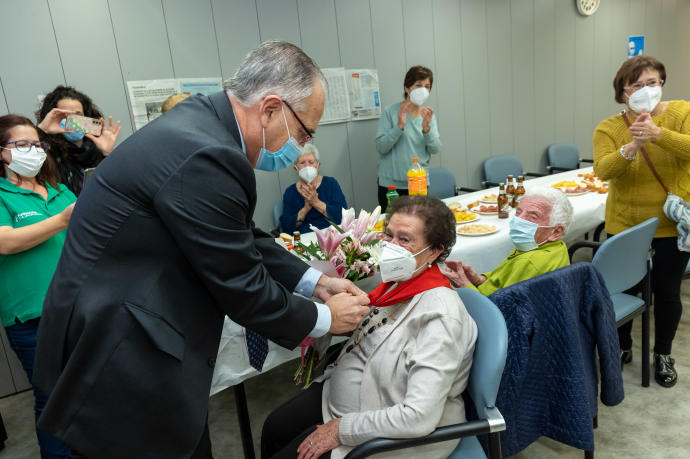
[579, 193]
[467, 221]
[483, 213]
[478, 234]
[491, 203]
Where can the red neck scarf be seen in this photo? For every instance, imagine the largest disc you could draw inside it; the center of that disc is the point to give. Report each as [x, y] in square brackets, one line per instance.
[430, 278]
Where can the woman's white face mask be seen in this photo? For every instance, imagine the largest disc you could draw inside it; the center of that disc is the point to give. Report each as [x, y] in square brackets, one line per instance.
[646, 98]
[397, 264]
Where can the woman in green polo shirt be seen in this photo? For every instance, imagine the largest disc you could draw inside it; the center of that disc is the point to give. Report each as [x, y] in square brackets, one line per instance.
[34, 212]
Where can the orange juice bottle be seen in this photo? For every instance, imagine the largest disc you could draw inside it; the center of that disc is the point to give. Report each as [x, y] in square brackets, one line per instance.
[416, 179]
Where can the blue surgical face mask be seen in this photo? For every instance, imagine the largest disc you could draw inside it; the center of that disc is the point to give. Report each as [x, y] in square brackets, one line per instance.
[75, 136]
[522, 234]
[282, 158]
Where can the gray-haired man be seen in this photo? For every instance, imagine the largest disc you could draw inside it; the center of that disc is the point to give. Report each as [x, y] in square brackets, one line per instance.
[161, 247]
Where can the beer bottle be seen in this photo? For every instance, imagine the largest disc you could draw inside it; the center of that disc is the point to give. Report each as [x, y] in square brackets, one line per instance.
[510, 188]
[502, 203]
[519, 191]
[296, 239]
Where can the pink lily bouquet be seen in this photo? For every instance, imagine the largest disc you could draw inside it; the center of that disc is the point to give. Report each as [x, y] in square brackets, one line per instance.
[349, 251]
[347, 247]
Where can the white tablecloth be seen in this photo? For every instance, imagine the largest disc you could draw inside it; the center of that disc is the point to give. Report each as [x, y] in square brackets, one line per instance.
[483, 253]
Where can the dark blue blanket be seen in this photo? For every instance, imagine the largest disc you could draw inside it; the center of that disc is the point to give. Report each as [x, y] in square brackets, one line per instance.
[549, 385]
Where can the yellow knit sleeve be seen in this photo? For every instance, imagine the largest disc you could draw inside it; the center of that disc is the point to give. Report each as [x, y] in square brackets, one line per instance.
[677, 141]
[608, 161]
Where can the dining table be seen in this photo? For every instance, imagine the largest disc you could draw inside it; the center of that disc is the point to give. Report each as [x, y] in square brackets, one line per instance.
[482, 252]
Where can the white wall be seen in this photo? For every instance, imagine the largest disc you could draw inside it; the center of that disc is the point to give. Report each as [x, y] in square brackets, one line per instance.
[510, 76]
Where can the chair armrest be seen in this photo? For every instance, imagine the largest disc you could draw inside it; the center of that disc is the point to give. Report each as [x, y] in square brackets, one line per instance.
[493, 423]
[557, 168]
[534, 174]
[580, 244]
[465, 189]
[586, 160]
[487, 184]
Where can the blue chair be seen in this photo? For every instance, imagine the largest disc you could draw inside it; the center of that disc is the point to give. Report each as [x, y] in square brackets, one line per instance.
[441, 183]
[561, 157]
[497, 168]
[623, 261]
[485, 377]
[277, 212]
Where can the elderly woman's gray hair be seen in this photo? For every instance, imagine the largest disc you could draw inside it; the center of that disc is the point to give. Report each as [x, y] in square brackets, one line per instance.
[561, 209]
[309, 149]
[275, 67]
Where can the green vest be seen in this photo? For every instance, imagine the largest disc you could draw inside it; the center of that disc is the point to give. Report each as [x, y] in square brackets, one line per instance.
[25, 276]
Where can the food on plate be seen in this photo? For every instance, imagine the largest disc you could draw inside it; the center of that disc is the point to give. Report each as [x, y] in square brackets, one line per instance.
[476, 228]
[579, 189]
[455, 206]
[566, 184]
[464, 216]
[490, 198]
[285, 237]
[486, 208]
[473, 204]
[594, 183]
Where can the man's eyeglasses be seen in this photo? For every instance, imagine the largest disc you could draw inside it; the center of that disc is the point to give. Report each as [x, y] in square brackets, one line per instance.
[310, 134]
[639, 85]
[24, 145]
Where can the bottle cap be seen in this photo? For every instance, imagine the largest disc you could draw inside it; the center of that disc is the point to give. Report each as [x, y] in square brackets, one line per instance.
[391, 187]
[414, 160]
[295, 233]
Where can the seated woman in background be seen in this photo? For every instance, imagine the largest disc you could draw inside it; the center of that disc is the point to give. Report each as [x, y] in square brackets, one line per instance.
[34, 212]
[315, 199]
[401, 374]
[73, 151]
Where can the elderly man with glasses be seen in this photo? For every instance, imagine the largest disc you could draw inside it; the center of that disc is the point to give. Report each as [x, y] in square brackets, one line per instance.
[162, 246]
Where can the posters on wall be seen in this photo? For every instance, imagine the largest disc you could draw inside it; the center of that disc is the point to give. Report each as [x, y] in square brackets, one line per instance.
[635, 45]
[353, 95]
[147, 96]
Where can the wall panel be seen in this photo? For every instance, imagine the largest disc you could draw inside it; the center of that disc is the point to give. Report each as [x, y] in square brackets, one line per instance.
[544, 79]
[31, 66]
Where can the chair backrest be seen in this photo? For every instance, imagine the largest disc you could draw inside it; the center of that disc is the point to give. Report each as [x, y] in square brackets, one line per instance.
[441, 183]
[622, 259]
[497, 168]
[563, 155]
[489, 351]
[277, 212]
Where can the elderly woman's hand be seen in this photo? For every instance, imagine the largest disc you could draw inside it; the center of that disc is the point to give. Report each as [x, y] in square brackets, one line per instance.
[455, 272]
[322, 440]
[644, 130]
[427, 114]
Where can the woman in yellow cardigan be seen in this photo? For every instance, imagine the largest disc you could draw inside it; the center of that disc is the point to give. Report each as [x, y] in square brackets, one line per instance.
[663, 129]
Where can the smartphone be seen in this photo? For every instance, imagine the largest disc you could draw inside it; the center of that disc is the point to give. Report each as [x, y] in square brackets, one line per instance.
[84, 124]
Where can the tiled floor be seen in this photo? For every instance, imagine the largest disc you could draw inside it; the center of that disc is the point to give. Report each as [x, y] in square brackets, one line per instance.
[650, 423]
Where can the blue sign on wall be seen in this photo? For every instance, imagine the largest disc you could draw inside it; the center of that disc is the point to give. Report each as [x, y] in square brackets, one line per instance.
[635, 45]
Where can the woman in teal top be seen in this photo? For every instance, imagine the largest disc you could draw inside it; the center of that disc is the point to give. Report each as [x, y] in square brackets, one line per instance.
[34, 213]
[406, 130]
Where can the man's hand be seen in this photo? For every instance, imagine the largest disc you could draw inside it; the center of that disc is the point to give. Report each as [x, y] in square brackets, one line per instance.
[327, 286]
[456, 274]
[347, 311]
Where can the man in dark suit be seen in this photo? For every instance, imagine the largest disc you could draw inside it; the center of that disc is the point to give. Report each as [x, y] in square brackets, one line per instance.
[161, 247]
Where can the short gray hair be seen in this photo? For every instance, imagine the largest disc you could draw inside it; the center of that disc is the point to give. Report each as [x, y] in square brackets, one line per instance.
[309, 149]
[561, 209]
[275, 67]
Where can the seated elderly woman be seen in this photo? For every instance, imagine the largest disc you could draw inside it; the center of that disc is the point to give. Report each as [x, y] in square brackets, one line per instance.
[402, 371]
[541, 219]
[314, 199]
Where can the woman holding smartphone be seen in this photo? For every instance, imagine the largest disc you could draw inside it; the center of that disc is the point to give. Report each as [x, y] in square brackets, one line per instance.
[75, 151]
[34, 212]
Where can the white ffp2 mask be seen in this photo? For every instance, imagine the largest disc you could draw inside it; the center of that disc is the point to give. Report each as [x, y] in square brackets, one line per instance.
[397, 264]
[646, 98]
[419, 95]
[308, 173]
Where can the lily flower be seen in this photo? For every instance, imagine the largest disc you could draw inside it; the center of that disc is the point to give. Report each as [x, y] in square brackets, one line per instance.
[360, 225]
[348, 216]
[329, 239]
[374, 217]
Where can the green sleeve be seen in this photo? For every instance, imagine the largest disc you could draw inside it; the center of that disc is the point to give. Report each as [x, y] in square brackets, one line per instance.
[5, 216]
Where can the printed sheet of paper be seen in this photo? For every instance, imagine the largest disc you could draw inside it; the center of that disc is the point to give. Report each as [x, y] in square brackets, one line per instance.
[205, 86]
[365, 102]
[337, 108]
[147, 96]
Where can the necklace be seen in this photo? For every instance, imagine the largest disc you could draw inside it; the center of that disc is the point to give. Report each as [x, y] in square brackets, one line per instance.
[367, 327]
